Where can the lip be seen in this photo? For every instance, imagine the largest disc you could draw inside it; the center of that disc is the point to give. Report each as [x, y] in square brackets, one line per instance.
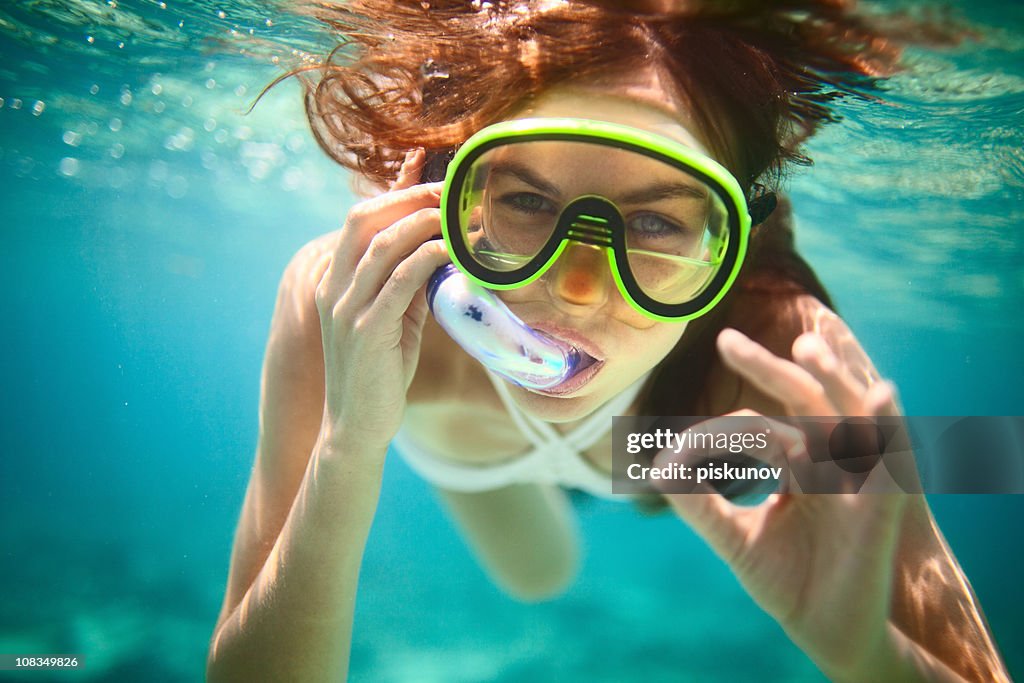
[573, 338]
[570, 336]
[575, 382]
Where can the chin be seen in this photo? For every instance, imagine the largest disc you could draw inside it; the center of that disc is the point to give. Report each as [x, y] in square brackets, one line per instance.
[557, 408]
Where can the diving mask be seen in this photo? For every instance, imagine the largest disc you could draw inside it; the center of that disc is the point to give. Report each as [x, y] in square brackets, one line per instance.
[672, 222]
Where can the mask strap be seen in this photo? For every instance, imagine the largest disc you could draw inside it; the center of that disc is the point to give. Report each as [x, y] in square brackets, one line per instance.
[761, 204]
[435, 79]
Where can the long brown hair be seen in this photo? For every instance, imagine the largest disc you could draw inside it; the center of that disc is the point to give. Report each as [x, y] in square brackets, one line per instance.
[759, 76]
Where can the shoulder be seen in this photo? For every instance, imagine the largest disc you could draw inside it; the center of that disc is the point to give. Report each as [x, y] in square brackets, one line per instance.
[295, 327]
[309, 263]
[297, 289]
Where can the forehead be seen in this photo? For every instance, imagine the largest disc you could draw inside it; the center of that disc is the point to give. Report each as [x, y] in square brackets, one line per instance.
[640, 99]
[562, 168]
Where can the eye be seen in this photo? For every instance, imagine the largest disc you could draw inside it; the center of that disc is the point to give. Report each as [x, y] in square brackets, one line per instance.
[653, 225]
[527, 202]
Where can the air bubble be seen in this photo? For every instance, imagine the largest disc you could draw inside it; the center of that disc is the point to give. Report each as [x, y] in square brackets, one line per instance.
[292, 178]
[38, 108]
[186, 101]
[156, 89]
[126, 98]
[71, 138]
[159, 107]
[94, 89]
[181, 141]
[221, 136]
[117, 150]
[209, 125]
[240, 90]
[90, 40]
[120, 44]
[69, 166]
[211, 84]
[221, 14]
[16, 103]
[158, 171]
[115, 124]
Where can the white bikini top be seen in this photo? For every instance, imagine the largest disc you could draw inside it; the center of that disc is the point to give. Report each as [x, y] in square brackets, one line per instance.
[555, 459]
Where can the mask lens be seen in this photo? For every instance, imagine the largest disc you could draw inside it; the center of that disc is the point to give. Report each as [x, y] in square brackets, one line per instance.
[510, 205]
[676, 237]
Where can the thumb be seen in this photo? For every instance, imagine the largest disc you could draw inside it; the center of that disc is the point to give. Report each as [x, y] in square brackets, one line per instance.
[720, 523]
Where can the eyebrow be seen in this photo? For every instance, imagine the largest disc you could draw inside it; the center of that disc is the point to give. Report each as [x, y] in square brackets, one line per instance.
[527, 176]
[652, 193]
[659, 191]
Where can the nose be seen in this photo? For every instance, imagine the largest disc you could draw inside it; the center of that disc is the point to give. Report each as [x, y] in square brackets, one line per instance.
[580, 276]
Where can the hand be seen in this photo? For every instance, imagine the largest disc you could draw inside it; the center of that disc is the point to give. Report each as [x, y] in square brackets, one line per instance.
[822, 565]
[372, 306]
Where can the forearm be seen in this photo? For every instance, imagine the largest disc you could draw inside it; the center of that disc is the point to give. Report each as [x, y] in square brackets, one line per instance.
[295, 622]
[898, 658]
[933, 604]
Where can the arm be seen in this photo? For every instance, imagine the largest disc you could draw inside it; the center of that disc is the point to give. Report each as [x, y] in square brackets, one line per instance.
[909, 612]
[933, 603]
[288, 607]
[343, 349]
[933, 607]
[523, 535]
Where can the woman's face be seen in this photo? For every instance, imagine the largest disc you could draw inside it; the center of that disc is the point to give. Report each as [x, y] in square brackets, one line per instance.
[577, 300]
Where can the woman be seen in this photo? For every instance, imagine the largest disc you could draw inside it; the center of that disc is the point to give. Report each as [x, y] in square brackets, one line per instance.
[865, 585]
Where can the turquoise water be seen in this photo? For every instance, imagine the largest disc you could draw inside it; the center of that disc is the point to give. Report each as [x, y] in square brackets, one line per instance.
[146, 221]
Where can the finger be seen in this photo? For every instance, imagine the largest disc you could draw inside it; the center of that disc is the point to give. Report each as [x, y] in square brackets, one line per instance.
[780, 379]
[369, 217]
[744, 454]
[387, 249]
[812, 353]
[412, 167]
[880, 400]
[407, 280]
[722, 525]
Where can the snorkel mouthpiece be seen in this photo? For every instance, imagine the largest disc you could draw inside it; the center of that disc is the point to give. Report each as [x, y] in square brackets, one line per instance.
[481, 324]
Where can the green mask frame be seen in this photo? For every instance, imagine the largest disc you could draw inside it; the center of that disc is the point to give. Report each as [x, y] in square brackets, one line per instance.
[592, 218]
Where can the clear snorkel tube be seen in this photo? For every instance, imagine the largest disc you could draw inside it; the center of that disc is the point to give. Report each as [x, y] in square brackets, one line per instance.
[477, 320]
[481, 324]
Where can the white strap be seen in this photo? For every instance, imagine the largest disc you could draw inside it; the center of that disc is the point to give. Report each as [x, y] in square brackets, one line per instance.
[594, 427]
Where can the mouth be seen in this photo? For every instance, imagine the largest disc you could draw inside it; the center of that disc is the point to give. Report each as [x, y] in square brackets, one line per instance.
[590, 363]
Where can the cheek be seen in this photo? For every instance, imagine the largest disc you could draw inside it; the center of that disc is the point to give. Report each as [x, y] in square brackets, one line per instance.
[640, 349]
